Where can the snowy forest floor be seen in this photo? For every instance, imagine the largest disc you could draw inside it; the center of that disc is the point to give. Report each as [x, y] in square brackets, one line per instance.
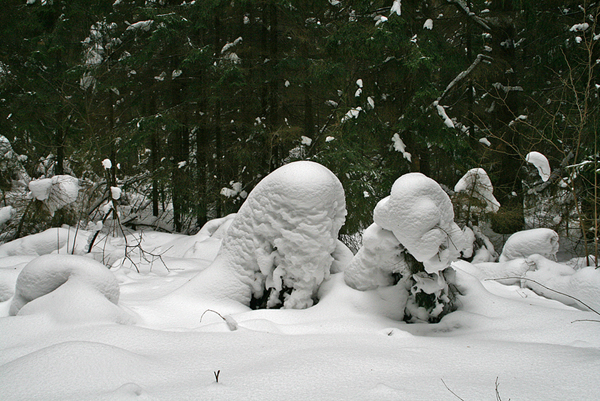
[503, 342]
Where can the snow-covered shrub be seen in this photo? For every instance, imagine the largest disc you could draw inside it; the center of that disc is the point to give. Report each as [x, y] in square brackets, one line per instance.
[542, 241]
[421, 216]
[55, 192]
[68, 287]
[410, 246]
[279, 247]
[11, 167]
[380, 262]
[477, 246]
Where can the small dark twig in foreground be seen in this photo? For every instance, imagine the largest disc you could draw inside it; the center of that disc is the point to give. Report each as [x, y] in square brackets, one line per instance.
[217, 373]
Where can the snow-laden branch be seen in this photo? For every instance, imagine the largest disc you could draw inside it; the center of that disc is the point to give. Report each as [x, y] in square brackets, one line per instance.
[462, 7]
[464, 74]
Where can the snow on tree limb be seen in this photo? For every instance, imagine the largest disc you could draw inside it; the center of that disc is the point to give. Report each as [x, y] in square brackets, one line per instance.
[462, 7]
[480, 57]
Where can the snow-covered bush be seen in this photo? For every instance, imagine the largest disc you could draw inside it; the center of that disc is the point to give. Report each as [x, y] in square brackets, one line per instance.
[476, 185]
[477, 246]
[542, 241]
[55, 192]
[421, 216]
[410, 246]
[279, 247]
[69, 288]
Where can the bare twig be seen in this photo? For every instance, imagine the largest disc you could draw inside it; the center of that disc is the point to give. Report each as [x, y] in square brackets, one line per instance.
[453, 393]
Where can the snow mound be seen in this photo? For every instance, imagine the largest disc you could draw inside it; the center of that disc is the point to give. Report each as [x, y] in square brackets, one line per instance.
[51, 240]
[507, 273]
[421, 216]
[477, 184]
[376, 262]
[563, 283]
[542, 241]
[279, 247]
[69, 287]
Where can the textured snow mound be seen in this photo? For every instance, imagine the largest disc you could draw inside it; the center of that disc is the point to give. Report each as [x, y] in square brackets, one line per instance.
[421, 216]
[279, 247]
[476, 183]
[376, 261]
[542, 241]
[48, 273]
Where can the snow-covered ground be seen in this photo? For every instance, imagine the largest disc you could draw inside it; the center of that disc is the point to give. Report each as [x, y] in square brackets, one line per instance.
[346, 347]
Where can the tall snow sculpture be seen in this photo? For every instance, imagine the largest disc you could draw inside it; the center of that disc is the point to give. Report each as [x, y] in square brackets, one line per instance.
[421, 216]
[279, 247]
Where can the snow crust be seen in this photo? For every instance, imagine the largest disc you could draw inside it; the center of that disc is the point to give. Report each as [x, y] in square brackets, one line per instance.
[421, 216]
[522, 244]
[477, 183]
[541, 163]
[281, 241]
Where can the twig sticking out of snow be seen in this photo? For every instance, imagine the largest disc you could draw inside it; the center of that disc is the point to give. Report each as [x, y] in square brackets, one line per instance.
[550, 289]
[231, 324]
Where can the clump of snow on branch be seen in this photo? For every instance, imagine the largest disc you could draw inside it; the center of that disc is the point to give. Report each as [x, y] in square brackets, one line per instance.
[304, 140]
[141, 25]
[477, 184]
[399, 146]
[107, 164]
[6, 213]
[442, 113]
[55, 192]
[542, 241]
[485, 141]
[352, 113]
[541, 163]
[115, 193]
[396, 8]
[421, 216]
[580, 27]
[235, 190]
[278, 249]
[428, 24]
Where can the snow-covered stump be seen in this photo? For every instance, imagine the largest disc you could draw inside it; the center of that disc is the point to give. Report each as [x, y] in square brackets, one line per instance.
[280, 245]
[420, 217]
[69, 288]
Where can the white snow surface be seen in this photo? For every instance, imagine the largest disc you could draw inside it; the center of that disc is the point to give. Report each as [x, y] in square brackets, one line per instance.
[541, 163]
[347, 347]
[421, 216]
[477, 183]
[281, 241]
[379, 257]
[522, 244]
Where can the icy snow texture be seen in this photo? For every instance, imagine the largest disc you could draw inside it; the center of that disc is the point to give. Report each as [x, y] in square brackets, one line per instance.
[421, 216]
[68, 287]
[476, 183]
[379, 257]
[541, 163]
[281, 241]
[521, 244]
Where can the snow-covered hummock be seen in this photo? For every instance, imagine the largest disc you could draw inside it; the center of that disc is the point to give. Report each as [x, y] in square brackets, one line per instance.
[55, 192]
[69, 288]
[281, 241]
[476, 183]
[541, 163]
[376, 261]
[522, 244]
[421, 216]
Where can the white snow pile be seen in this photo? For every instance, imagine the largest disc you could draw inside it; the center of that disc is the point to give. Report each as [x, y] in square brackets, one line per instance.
[6, 213]
[69, 288]
[377, 261]
[421, 216]
[542, 241]
[541, 163]
[278, 249]
[477, 184]
[56, 192]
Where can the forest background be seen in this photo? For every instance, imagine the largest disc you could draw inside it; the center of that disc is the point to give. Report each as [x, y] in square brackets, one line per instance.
[194, 102]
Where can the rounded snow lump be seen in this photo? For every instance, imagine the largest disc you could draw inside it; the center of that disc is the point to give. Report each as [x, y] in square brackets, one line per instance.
[47, 273]
[542, 241]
